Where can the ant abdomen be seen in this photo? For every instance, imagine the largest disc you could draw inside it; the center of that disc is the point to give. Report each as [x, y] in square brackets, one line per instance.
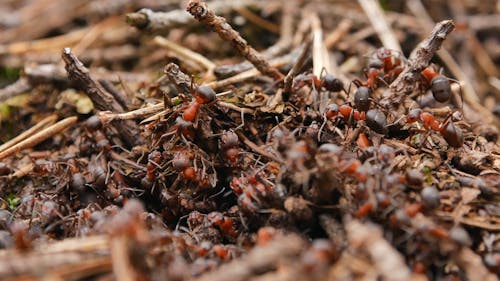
[332, 83]
[441, 88]
[453, 135]
[376, 120]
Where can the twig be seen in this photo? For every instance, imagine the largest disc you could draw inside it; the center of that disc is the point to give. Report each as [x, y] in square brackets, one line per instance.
[54, 14]
[180, 79]
[290, 8]
[67, 259]
[219, 25]
[302, 59]
[377, 18]
[335, 36]
[420, 58]
[235, 107]
[19, 87]
[388, 261]
[119, 96]
[24, 135]
[225, 71]
[185, 53]
[102, 100]
[321, 59]
[284, 43]
[473, 266]
[162, 22]
[248, 74]
[259, 21]
[79, 74]
[127, 161]
[24, 170]
[56, 42]
[259, 260]
[107, 116]
[39, 137]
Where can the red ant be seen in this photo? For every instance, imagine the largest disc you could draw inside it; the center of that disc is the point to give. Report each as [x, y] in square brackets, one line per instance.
[253, 189]
[319, 255]
[224, 223]
[327, 81]
[184, 124]
[78, 181]
[387, 60]
[451, 133]
[383, 67]
[265, 234]
[229, 143]
[346, 112]
[204, 95]
[439, 84]
[375, 119]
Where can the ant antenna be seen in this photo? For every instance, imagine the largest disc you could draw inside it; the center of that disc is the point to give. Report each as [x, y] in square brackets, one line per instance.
[191, 88]
[461, 93]
[323, 70]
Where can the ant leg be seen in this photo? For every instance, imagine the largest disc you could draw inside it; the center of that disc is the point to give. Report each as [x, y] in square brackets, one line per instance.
[323, 69]
[422, 138]
[355, 81]
[382, 80]
[183, 138]
[446, 121]
[191, 88]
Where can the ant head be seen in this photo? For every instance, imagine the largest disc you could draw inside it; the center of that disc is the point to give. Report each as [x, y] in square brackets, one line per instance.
[413, 115]
[384, 53]
[374, 62]
[229, 139]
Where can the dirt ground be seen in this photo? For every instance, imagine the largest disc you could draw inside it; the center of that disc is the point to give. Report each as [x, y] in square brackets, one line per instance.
[249, 140]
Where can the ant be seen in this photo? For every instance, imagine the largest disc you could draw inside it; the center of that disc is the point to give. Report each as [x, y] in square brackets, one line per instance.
[184, 124]
[229, 142]
[439, 84]
[204, 95]
[346, 112]
[451, 133]
[226, 225]
[78, 181]
[388, 60]
[384, 65]
[327, 81]
[375, 119]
